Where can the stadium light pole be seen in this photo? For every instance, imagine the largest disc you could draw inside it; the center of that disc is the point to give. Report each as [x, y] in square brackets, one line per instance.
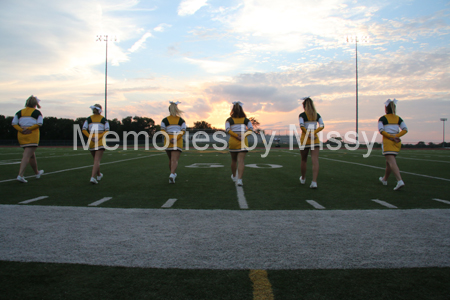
[355, 39]
[443, 131]
[102, 38]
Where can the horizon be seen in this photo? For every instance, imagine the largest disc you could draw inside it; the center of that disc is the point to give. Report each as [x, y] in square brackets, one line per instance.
[207, 54]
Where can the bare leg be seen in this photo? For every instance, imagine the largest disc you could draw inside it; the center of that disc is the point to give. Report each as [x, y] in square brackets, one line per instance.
[315, 163]
[170, 160]
[390, 159]
[175, 156]
[28, 152]
[304, 154]
[97, 158]
[241, 164]
[387, 172]
[33, 163]
[234, 156]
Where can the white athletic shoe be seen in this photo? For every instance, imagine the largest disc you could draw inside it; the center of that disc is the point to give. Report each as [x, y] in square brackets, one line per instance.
[313, 185]
[39, 174]
[21, 179]
[234, 178]
[100, 177]
[94, 181]
[382, 181]
[172, 178]
[302, 181]
[399, 185]
[239, 182]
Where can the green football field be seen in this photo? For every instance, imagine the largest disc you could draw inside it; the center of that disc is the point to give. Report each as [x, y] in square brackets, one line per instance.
[137, 181]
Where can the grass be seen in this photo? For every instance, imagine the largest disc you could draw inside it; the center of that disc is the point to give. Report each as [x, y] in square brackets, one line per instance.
[73, 281]
[139, 179]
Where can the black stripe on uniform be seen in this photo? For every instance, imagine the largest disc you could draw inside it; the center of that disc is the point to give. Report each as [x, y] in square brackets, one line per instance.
[35, 114]
[231, 121]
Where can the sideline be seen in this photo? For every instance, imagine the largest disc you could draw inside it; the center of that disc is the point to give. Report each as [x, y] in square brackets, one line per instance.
[83, 167]
[226, 239]
[375, 167]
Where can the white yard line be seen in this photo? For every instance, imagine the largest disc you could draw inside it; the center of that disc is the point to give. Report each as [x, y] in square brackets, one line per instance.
[34, 199]
[169, 203]
[440, 161]
[384, 203]
[100, 201]
[353, 163]
[440, 200]
[241, 196]
[18, 160]
[84, 167]
[315, 204]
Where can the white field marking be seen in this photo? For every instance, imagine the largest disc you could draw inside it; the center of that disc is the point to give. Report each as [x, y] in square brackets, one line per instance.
[169, 203]
[315, 204]
[440, 200]
[434, 155]
[8, 162]
[353, 163]
[100, 201]
[34, 199]
[241, 196]
[384, 203]
[84, 167]
[442, 161]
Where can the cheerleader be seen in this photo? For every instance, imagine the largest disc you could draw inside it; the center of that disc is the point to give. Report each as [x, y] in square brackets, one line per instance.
[175, 127]
[308, 124]
[27, 122]
[97, 124]
[389, 125]
[239, 127]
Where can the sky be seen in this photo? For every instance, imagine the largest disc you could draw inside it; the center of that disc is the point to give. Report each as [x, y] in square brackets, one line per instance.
[208, 53]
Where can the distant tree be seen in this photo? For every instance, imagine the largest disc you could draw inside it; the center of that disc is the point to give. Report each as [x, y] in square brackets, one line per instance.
[3, 127]
[11, 132]
[116, 126]
[255, 122]
[56, 129]
[421, 144]
[80, 121]
[202, 125]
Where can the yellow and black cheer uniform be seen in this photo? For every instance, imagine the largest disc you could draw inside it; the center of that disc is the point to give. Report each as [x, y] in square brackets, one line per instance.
[175, 127]
[99, 126]
[388, 126]
[31, 119]
[235, 127]
[310, 125]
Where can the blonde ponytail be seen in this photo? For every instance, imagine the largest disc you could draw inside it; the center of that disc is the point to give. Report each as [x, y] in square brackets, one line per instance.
[174, 110]
[391, 109]
[310, 110]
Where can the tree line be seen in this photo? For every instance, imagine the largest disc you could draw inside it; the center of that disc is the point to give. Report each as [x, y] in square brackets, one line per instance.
[62, 129]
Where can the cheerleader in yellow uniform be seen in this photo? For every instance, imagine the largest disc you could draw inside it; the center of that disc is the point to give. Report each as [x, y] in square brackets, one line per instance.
[389, 126]
[239, 127]
[308, 124]
[175, 127]
[97, 124]
[27, 122]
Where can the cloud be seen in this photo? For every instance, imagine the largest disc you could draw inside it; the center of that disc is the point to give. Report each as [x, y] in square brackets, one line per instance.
[267, 25]
[140, 43]
[190, 7]
[162, 27]
[213, 67]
